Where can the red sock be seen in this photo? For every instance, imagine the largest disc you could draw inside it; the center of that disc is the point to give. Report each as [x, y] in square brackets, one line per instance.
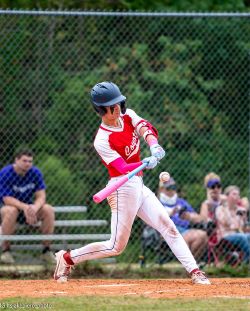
[195, 270]
[68, 259]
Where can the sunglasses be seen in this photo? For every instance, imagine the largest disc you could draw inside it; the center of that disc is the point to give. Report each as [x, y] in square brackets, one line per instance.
[171, 187]
[216, 185]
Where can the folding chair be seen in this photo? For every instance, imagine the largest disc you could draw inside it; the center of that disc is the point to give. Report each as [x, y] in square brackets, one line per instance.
[222, 250]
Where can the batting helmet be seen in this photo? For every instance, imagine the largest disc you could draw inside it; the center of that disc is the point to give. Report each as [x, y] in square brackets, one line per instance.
[106, 94]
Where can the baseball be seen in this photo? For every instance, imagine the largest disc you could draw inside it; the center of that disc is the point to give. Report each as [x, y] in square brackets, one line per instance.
[164, 176]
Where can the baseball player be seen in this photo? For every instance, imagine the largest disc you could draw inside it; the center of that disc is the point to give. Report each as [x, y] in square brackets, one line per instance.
[118, 145]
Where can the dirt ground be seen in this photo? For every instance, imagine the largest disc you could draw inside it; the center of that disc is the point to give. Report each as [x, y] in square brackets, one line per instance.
[234, 288]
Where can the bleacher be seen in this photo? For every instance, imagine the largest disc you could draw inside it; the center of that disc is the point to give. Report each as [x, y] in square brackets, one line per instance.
[67, 238]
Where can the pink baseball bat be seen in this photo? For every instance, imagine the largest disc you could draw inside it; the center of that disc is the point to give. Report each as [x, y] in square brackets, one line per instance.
[105, 192]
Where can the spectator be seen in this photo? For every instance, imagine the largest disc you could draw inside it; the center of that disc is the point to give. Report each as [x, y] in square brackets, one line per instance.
[213, 186]
[19, 183]
[184, 216]
[230, 225]
[243, 211]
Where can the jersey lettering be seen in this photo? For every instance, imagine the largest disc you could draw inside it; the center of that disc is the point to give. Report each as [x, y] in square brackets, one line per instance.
[134, 147]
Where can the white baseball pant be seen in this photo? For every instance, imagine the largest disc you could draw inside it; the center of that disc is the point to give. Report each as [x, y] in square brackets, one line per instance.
[131, 200]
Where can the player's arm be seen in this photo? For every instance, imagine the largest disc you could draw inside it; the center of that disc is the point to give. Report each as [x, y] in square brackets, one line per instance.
[114, 159]
[123, 167]
[149, 133]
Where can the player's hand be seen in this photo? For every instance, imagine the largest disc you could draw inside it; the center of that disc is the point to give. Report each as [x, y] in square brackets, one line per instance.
[152, 162]
[157, 151]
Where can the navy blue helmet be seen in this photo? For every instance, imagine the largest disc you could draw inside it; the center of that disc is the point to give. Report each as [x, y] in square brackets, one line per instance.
[107, 94]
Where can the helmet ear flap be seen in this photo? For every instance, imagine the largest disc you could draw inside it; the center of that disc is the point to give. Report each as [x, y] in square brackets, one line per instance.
[123, 107]
[100, 110]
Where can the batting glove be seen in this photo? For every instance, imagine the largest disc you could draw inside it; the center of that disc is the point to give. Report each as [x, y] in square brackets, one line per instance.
[152, 162]
[157, 151]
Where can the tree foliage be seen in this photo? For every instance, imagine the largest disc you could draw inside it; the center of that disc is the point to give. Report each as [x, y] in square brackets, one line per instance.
[150, 5]
[188, 77]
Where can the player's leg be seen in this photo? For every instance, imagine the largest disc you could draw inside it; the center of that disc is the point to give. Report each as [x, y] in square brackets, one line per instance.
[153, 213]
[124, 204]
[120, 232]
[9, 216]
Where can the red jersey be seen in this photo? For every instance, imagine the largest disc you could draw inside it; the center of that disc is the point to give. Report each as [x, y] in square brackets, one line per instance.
[112, 143]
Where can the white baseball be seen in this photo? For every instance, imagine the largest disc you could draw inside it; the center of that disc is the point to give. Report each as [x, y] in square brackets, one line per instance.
[164, 176]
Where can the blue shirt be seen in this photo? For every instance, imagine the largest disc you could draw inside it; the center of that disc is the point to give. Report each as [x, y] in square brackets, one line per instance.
[176, 218]
[20, 187]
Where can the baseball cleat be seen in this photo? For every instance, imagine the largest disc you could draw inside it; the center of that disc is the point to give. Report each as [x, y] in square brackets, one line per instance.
[63, 269]
[198, 277]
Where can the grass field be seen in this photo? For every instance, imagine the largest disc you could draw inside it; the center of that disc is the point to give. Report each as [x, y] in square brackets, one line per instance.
[90, 303]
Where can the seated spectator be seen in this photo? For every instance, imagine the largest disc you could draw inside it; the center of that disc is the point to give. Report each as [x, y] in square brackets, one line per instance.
[213, 186]
[243, 211]
[19, 183]
[184, 216]
[230, 224]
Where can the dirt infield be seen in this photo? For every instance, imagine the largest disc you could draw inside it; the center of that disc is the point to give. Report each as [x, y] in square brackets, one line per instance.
[237, 288]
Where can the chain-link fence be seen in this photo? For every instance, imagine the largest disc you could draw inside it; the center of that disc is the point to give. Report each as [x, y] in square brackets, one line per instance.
[188, 74]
